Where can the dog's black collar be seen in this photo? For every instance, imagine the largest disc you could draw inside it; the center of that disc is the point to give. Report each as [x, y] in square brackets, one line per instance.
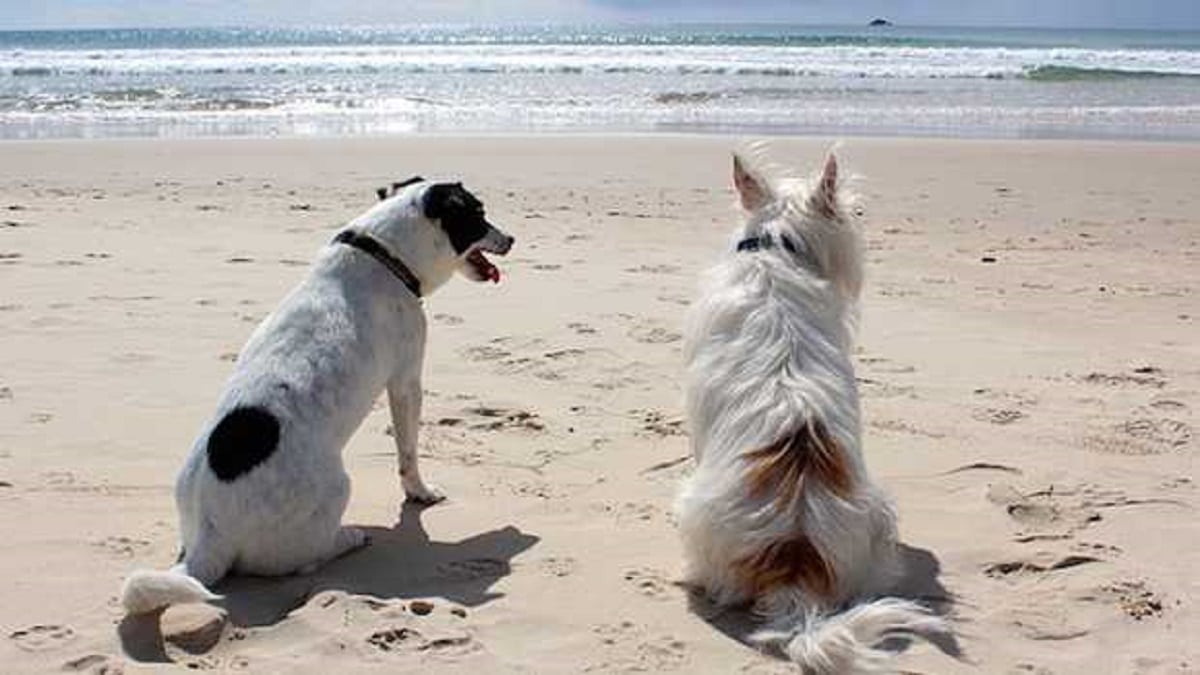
[373, 248]
[766, 241]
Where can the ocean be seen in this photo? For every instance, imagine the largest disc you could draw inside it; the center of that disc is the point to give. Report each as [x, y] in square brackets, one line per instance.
[741, 79]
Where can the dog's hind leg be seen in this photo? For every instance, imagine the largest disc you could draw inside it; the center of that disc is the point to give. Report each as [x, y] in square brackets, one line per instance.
[404, 398]
[345, 540]
[207, 559]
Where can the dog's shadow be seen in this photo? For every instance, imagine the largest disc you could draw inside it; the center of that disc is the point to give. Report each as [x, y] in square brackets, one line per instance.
[401, 562]
[919, 582]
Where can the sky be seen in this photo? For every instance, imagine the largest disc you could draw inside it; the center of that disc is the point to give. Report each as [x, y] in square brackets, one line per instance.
[21, 14]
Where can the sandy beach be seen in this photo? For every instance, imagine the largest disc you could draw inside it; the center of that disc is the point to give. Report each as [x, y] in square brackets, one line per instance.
[1029, 363]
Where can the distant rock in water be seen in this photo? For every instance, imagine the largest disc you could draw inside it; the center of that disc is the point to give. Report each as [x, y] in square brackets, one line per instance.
[880, 22]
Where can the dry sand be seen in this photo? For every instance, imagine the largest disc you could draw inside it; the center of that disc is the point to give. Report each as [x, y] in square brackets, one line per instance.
[1029, 361]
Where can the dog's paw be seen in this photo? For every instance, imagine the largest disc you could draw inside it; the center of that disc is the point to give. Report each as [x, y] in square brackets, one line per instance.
[424, 494]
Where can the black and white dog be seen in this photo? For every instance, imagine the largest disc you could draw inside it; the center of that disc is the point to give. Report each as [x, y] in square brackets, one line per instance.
[264, 488]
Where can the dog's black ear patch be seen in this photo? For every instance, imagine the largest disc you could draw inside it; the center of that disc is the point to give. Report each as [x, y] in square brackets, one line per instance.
[242, 440]
[405, 183]
[385, 192]
[458, 211]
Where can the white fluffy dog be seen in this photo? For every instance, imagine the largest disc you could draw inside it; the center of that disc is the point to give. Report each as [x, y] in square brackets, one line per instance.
[780, 512]
[264, 488]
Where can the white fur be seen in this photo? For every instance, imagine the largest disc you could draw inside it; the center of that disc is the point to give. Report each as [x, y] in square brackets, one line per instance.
[348, 331]
[768, 347]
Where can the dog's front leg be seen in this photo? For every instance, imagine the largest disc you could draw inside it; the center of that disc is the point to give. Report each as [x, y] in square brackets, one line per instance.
[404, 398]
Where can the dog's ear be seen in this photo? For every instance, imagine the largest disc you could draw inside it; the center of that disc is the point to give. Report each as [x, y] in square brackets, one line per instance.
[444, 200]
[385, 192]
[824, 198]
[752, 189]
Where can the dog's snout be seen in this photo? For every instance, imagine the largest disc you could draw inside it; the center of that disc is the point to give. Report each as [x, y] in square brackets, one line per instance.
[497, 241]
[506, 243]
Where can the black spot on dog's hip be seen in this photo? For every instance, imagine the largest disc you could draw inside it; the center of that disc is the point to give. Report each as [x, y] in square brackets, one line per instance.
[242, 440]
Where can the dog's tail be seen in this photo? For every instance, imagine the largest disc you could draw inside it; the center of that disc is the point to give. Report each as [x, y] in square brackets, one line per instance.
[848, 643]
[148, 590]
[842, 643]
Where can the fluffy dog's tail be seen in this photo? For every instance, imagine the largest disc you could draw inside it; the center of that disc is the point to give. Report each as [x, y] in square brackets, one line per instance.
[849, 643]
[148, 590]
[843, 643]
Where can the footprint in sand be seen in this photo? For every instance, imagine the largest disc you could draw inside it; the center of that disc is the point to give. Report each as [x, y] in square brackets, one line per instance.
[1132, 598]
[42, 637]
[626, 511]
[650, 582]
[122, 547]
[884, 365]
[485, 353]
[1092, 547]
[656, 423]
[499, 419]
[559, 354]
[1145, 376]
[95, 664]
[406, 639]
[662, 653]
[558, 566]
[1168, 404]
[1141, 436]
[1045, 513]
[899, 426]
[654, 335]
[535, 489]
[1120, 444]
[472, 569]
[1053, 624]
[683, 300]
[654, 269]
[1022, 567]
[872, 388]
[447, 319]
[1165, 432]
[998, 415]
[10, 258]
[396, 639]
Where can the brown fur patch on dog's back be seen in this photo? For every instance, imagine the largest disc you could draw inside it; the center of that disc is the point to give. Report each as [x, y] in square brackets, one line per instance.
[781, 469]
[790, 562]
[780, 472]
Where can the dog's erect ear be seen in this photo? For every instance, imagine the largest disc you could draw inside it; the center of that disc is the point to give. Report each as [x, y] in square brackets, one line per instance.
[824, 197]
[752, 189]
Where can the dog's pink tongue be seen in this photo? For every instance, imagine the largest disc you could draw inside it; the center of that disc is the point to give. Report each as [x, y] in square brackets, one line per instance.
[494, 274]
